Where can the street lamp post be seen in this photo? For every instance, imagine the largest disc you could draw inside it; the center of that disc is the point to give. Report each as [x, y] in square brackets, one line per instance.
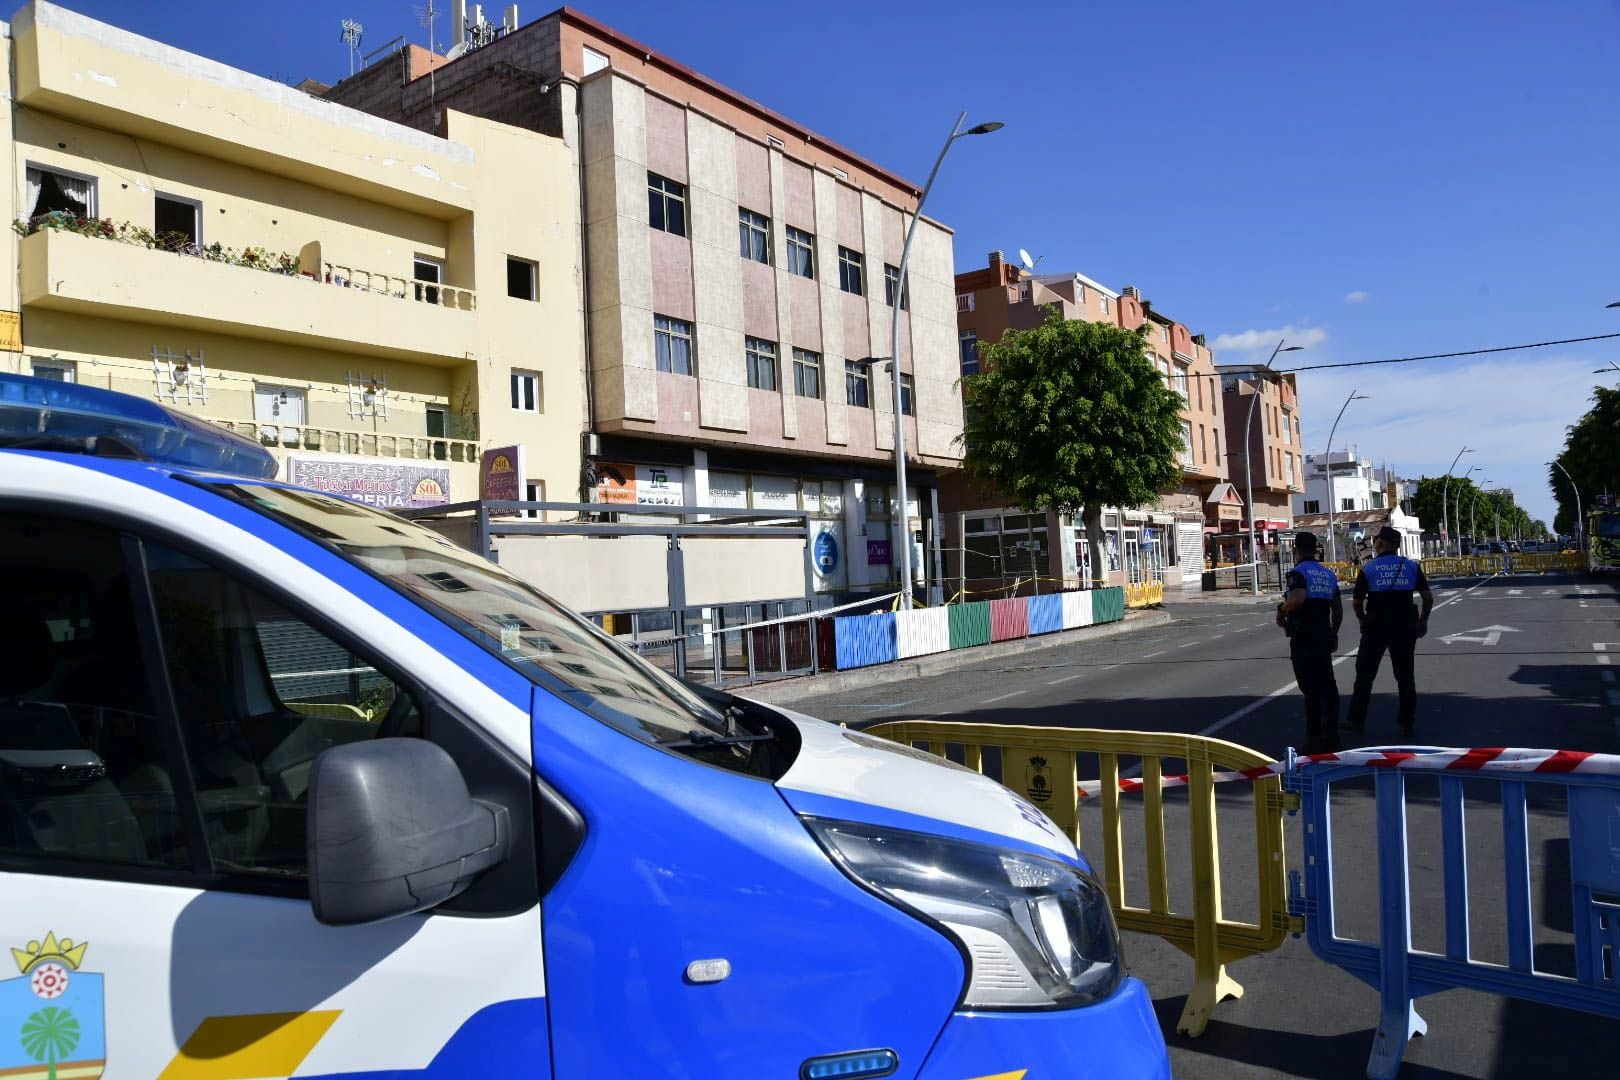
[1457, 508]
[1333, 547]
[894, 351]
[1248, 466]
[1445, 496]
[1580, 522]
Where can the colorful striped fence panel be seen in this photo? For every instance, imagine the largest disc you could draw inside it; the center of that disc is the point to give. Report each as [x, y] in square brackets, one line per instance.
[862, 640]
[1107, 605]
[1045, 614]
[1076, 610]
[1009, 619]
[970, 624]
[922, 631]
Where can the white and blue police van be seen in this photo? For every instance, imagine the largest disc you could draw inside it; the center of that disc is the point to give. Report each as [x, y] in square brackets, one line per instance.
[292, 787]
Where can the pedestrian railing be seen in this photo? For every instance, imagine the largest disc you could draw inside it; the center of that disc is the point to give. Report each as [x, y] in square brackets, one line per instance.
[1402, 973]
[1479, 565]
[1043, 765]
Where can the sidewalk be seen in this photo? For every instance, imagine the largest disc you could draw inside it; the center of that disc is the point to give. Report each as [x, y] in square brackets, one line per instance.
[805, 686]
[1222, 596]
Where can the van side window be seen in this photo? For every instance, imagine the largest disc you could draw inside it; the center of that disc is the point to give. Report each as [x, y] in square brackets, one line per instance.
[259, 692]
[81, 742]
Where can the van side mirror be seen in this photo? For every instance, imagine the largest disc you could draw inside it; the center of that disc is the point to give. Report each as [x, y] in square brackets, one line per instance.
[393, 830]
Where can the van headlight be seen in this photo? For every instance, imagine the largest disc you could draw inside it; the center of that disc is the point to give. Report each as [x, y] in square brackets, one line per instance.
[1037, 933]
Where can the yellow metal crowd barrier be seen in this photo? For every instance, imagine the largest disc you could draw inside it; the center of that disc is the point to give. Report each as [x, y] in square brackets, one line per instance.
[1144, 594]
[1040, 764]
[1538, 562]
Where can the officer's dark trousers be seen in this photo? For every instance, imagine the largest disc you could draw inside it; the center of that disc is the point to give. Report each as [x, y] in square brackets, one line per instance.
[1313, 668]
[1400, 642]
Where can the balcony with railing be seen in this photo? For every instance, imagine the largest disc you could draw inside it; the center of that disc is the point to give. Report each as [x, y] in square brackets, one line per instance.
[354, 441]
[104, 270]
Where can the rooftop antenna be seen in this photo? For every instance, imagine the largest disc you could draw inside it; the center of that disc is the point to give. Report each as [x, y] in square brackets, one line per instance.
[428, 17]
[351, 38]
[1029, 263]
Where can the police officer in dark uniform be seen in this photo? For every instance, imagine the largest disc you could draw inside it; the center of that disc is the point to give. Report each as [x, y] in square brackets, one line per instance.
[1383, 603]
[1310, 614]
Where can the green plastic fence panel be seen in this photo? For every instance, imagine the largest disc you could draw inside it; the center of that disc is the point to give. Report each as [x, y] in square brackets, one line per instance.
[970, 624]
[1107, 605]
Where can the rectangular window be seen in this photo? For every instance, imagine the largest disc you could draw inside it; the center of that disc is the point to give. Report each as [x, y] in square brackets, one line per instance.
[426, 269]
[806, 373]
[280, 411]
[55, 370]
[672, 345]
[851, 271]
[522, 279]
[1104, 300]
[1347, 504]
[801, 253]
[968, 344]
[438, 425]
[753, 236]
[908, 396]
[857, 385]
[250, 679]
[176, 222]
[761, 359]
[1313, 506]
[1201, 446]
[1288, 463]
[526, 392]
[54, 191]
[666, 204]
[1180, 383]
[1186, 443]
[1288, 430]
[966, 301]
[534, 491]
[892, 289]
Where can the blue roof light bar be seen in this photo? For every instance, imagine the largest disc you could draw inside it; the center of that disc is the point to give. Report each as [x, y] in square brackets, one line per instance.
[51, 413]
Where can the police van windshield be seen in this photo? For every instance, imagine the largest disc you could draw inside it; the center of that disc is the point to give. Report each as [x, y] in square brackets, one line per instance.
[1608, 526]
[561, 651]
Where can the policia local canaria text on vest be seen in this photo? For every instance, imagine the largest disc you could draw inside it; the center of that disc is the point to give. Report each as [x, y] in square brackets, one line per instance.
[1389, 621]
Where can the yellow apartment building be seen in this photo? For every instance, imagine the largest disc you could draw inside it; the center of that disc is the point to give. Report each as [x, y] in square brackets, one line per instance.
[377, 304]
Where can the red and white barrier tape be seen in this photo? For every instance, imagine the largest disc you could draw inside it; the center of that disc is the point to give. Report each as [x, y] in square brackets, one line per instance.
[1487, 759]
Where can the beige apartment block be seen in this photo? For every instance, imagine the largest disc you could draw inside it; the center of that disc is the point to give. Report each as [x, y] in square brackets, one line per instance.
[376, 304]
[1272, 461]
[736, 263]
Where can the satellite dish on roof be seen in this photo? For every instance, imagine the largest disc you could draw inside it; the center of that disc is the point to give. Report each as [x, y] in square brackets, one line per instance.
[456, 50]
[1023, 257]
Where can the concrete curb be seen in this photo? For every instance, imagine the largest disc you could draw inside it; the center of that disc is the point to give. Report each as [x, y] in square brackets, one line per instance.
[806, 686]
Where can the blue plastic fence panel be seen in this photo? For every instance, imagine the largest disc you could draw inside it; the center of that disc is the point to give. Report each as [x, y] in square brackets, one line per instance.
[1045, 614]
[1402, 973]
[863, 640]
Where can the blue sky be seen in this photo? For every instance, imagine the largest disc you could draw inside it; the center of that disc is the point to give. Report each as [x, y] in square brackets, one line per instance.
[1376, 179]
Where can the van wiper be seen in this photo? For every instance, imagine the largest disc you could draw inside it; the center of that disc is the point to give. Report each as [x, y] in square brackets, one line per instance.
[699, 739]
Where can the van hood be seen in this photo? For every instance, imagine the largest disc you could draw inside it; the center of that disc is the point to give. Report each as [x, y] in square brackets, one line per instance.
[861, 777]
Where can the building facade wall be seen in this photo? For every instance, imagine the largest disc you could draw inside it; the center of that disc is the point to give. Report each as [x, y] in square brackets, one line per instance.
[352, 202]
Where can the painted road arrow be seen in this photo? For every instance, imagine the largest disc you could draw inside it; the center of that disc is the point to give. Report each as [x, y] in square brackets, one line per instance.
[1492, 635]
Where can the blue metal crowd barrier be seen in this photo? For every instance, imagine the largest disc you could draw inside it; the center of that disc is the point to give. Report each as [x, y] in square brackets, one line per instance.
[861, 640]
[1401, 973]
[1045, 614]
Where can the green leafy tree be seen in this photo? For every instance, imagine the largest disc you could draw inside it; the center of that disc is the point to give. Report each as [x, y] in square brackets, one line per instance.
[1591, 454]
[50, 1035]
[1071, 416]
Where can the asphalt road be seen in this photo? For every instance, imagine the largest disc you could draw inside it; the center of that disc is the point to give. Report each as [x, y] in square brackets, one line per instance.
[1527, 666]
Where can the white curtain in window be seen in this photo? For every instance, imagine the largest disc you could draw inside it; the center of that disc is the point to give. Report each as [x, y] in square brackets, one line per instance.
[76, 190]
[32, 203]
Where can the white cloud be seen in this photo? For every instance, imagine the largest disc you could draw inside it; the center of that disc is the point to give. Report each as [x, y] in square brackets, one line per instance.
[1417, 416]
[1357, 297]
[1255, 340]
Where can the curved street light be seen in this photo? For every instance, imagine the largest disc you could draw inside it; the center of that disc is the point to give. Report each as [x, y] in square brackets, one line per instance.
[1333, 547]
[1445, 497]
[1248, 470]
[1580, 522]
[1456, 506]
[894, 353]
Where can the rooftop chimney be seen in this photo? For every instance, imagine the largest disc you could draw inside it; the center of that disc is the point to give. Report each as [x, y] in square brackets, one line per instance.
[1132, 291]
[996, 259]
[1198, 339]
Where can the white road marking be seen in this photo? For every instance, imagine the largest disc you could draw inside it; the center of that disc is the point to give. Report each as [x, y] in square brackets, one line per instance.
[1003, 697]
[1067, 678]
[1602, 658]
[1492, 635]
[1151, 655]
[879, 705]
[1189, 644]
